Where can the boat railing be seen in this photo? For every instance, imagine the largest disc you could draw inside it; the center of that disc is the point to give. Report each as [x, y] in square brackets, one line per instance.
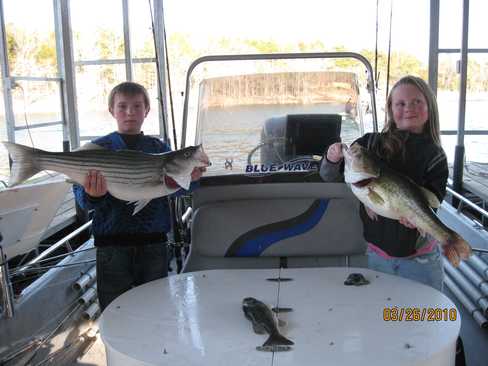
[55, 246]
[7, 298]
[465, 201]
[7, 305]
[468, 282]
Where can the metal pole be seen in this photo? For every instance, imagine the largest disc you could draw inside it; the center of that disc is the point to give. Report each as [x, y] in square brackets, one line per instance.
[127, 45]
[161, 59]
[466, 302]
[434, 44]
[60, 63]
[55, 246]
[459, 151]
[7, 83]
[64, 47]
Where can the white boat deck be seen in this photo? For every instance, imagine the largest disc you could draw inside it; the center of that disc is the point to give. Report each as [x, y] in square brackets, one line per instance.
[197, 319]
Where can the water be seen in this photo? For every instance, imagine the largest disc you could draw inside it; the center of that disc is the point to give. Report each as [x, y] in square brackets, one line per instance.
[230, 134]
[233, 134]
[94, 123]
[476, 106]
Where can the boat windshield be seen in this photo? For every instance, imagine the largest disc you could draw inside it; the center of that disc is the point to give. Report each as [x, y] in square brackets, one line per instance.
[271, 120]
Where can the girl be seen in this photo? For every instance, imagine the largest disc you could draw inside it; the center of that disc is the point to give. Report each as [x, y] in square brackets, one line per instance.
[410, 144]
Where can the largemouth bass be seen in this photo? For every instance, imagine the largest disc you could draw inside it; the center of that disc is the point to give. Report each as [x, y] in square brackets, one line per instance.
[263, 321]
[131, 175]
[396, 196]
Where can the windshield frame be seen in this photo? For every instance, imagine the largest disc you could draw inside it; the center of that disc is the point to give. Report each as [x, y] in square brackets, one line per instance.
[279, 56]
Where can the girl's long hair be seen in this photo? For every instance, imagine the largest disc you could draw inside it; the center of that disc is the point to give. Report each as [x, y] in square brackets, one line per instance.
[393, 140]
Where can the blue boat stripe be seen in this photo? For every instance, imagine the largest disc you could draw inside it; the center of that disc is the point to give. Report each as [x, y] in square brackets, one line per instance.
[255, 242]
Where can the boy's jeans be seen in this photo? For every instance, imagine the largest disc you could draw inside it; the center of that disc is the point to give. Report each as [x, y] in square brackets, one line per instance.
[119, 268]
[427, 268]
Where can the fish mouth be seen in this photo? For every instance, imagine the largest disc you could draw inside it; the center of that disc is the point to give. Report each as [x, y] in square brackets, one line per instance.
[204, 161]
[202, 157]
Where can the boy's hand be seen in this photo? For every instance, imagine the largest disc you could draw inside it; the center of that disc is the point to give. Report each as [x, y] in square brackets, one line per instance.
[334, 153]
[196, 174]
[95, 184]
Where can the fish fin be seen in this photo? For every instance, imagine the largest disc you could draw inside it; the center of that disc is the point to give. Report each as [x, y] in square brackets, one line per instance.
[276, 348]
[376, 198]
[278, 310]
[277, 339]
[139, 205]
[431, 197]
[183, 180]
[24, 164]
[90, 146]
[281, 323]
[258, 328]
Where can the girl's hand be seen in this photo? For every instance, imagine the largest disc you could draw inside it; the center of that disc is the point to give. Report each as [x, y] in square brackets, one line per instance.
[371, 214]
[407, 223]
[95, 184]
[334, 153]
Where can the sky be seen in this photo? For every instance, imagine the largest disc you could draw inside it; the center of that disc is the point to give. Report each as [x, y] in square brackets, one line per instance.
[340, 22]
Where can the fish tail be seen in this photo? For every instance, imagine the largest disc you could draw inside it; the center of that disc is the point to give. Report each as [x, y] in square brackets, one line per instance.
[462, 247]
[276, 339]
[24, 163]
[457, 249]
[451, 255]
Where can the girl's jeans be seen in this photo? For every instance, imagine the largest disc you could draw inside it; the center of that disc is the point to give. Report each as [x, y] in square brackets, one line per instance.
[427, 268]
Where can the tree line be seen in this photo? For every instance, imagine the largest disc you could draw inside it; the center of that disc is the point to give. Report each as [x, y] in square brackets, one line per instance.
[32, 54]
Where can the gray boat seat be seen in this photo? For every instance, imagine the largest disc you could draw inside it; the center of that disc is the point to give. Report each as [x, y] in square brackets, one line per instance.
[263, 225]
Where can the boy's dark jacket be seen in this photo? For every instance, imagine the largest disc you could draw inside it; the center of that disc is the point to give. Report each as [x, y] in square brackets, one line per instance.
[113, 222]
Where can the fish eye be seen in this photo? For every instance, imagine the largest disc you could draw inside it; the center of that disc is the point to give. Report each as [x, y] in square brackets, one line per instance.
[186, 154]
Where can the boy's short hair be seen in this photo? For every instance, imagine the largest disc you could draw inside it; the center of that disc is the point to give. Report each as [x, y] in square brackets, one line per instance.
[128, 88]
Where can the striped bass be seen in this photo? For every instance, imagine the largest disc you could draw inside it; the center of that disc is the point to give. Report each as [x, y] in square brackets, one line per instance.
[396, 196]
[132, 176]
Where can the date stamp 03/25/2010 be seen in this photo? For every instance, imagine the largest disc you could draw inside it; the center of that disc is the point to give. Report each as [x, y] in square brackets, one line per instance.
[418, 314]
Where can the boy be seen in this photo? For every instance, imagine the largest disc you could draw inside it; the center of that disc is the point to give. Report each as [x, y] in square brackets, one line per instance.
[131, 249]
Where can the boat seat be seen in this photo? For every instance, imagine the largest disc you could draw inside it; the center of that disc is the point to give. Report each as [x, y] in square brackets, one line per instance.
[268, 225]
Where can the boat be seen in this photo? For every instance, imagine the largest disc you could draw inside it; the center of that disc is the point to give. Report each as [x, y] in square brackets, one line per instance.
[261, 224]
